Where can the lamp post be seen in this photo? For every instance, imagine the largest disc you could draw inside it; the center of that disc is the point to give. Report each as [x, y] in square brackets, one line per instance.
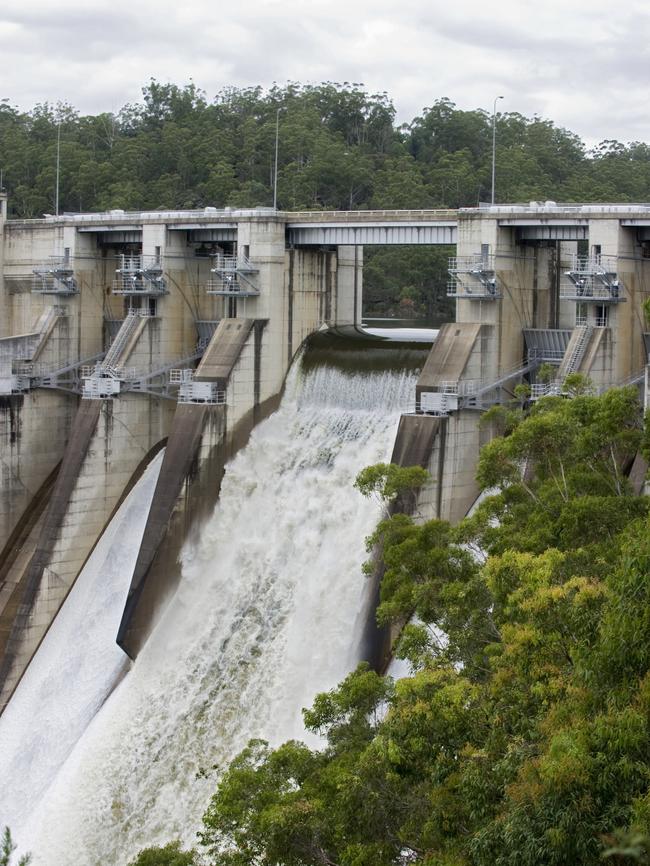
[275, 170]
[494, 143]
[58, 167]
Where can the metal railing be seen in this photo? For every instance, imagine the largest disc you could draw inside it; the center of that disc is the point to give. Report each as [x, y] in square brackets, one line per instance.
[139, 275]
[472, 277]
[233, 276]
[572, 361]
[477, 292]
[201, 392]
[545, 389]
[228, 214]
[56, 277]
[560, 208]
[126, 332]
[592, 277]
[467, 264]
[180, 377]
[240, 262]
[550, 355]
[592, 321]
[591, 292]
[371, 215]
[463, 388]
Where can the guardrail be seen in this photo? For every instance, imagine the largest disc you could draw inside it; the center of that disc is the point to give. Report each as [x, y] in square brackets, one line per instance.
[555, 208]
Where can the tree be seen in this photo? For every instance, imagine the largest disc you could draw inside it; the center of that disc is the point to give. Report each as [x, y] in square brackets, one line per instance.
[7, 848]
[390, 483]
[169, 855]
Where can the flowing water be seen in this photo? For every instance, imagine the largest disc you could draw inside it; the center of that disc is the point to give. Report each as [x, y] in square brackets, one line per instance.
[75, 668]
[268, 612]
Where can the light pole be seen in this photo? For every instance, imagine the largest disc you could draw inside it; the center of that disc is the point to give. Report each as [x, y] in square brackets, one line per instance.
[58, 167]
[275, 170]
[494, 143]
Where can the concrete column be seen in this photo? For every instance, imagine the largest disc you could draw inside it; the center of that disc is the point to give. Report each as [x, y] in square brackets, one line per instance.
[264, 240]
[626, 320]
[349, 286]
[3, 298]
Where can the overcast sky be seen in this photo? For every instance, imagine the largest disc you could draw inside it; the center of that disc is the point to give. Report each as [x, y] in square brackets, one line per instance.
[583, 63]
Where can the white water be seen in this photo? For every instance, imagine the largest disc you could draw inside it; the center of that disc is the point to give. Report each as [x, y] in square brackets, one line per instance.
[75, 668]
[266, 615]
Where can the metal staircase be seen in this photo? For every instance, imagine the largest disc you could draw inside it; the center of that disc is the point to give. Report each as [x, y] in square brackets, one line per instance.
[103, 381]
[571, 362]
[21, 368]
[127, 330]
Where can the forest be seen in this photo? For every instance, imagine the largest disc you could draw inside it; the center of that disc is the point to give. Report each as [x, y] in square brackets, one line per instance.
[340, 147]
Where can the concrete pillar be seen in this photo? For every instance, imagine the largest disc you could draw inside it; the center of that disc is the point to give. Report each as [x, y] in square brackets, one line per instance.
[626, 321]
[349, 286]
[262, 240]
[3, 297]
[515, 310]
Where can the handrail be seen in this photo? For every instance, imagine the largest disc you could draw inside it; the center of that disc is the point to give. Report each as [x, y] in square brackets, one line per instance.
[370, 215]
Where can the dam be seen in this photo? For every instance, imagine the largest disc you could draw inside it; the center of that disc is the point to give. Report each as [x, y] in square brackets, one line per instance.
[152, 366]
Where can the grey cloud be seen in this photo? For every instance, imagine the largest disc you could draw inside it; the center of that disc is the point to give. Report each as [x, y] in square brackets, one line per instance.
[574, 63]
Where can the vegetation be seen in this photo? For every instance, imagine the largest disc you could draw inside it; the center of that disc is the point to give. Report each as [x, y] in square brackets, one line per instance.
[522, 736]
[7, 848]
[170, 855]
[340, 147]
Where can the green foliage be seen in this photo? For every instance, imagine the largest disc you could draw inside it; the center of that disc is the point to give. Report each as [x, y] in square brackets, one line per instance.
[407, 282]
[546, 373]
[7, 848]
[390, 483]
[628, 849]
[558, 470]
[170, 855]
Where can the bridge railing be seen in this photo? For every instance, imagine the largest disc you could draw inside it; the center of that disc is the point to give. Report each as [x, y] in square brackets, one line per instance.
[371, 215]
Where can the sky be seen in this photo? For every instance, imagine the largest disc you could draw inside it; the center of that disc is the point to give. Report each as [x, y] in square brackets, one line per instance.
[584, 64]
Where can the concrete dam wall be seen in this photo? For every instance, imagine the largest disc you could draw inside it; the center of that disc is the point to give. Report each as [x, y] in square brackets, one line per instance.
[125, 332]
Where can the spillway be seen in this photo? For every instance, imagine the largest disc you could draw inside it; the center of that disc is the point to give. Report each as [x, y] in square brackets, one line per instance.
[268, 612]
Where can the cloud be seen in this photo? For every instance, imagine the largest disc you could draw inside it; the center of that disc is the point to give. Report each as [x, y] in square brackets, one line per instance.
[582, 64]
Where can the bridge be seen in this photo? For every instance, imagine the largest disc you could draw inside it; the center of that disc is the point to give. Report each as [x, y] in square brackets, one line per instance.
[366, 228]
[532, 221]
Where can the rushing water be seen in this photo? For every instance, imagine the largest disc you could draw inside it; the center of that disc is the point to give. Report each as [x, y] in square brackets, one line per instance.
[267, 613]
[75, 668]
